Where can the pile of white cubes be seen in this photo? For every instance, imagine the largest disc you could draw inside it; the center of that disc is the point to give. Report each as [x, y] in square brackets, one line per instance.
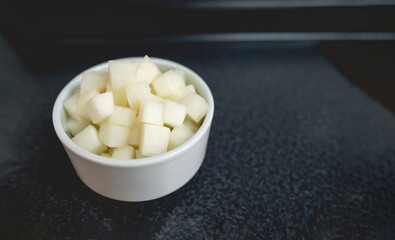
[133, 110]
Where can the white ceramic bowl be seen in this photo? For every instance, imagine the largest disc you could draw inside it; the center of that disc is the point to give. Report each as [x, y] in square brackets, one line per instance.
[137, 179]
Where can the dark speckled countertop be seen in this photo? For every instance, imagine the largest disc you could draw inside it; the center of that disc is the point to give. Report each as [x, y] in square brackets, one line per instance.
[296, 152]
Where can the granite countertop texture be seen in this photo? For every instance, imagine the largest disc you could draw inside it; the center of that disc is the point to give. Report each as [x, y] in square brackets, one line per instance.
[295, 152]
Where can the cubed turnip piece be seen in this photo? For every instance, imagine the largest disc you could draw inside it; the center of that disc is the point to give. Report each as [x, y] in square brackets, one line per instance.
[125, 152]
[137, 92]
[120, 98]
[189, 88]
[82, 100]
[110, 150]
[88, 139]
[70, 105]
[189, 123]
[113, 135]
[122, 73]
[134, 138]
[197, 106]
[151, 112]
[94, 80]
[147, 70]
[169, 83]
[155, 98]
[100, 107]
[123, 116]
[152, 89]
[108, 86]
[178, 136]
[75, 126]
[179, 95]
[154, 139]
[139, 154]
[107, 155]
[174, 113]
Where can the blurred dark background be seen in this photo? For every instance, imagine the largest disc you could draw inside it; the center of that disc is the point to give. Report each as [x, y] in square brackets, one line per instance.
[357, 36]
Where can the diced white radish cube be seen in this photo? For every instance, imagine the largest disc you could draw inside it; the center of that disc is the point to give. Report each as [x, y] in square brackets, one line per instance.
[151, 112]
[152, 90]
[108, 86]
[174, 113]
[169, 83]
[89, 140]
[113, 135]
[125, 152]
[155, 98]
[176, 96]
[94, 80]
[82, 100]
[122, 73]
[123, 116]
[139, 154]
[107, 155]
[189, 88]
[120, 98]
[178, 136]
[75, 126]
[70, 105]
[189, 123]
[137, 92]
[110, 150]
[134, 138]
[179, 95]
[147, 70]
[154, 139]
[100, 106]
[197, 106]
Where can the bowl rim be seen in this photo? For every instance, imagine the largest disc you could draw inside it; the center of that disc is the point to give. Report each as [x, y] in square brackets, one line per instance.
[158, 159]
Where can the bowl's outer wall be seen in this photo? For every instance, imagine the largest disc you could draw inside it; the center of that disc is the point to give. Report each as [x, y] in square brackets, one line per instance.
[141, 183]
